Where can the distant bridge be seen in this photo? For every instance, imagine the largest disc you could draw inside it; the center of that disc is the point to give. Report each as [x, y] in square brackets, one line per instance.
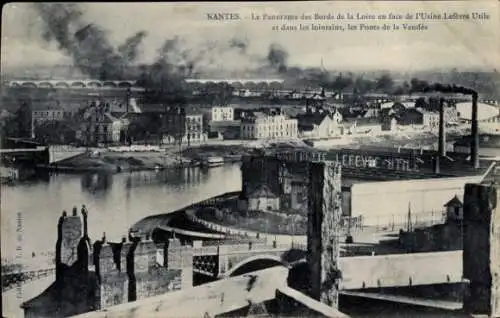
[237, 83]
[71, 84]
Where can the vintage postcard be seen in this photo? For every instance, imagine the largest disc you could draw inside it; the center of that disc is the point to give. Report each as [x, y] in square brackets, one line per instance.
[213, 159]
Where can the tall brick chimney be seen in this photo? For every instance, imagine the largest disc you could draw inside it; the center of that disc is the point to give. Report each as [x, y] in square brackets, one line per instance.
[474, 134]
[442, 132]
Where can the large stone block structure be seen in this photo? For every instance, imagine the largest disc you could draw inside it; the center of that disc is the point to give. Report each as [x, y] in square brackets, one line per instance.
[323, 232]
[481, 251]
[321, 203]
[103, 274]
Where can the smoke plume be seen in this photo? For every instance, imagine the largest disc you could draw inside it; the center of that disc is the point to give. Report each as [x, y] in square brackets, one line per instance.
[92, 53]
[130, 49]
[436, 87]
[85, 43]
[422, 86]
[277, 58]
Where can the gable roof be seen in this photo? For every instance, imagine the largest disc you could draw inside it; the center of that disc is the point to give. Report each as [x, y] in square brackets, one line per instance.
[311, 119]
[262, 191]
[455, 201]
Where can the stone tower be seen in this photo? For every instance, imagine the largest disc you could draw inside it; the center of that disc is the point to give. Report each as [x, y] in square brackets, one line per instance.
[481, 251]
[68, 237]
[323, 231]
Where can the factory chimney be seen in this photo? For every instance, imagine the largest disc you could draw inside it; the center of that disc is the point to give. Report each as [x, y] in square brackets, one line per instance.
[475, 134]
[442, 132]
[474, 129]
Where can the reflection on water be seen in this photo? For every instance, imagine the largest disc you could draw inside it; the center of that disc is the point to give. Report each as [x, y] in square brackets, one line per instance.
[115, 202]
[97, 183]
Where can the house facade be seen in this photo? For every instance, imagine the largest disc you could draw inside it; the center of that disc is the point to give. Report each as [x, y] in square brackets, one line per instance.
[100, 127]
[39, 117]
[271, 125]
[183, 122]
[224, 113]
[319, 124]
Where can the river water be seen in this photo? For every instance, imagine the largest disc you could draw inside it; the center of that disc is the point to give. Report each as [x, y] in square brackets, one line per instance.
[30, 211]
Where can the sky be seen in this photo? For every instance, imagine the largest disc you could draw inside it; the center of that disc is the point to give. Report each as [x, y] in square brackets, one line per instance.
[451, 44]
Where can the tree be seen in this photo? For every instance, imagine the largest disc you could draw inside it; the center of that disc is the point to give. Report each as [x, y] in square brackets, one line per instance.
[385, 83]
[362, 86]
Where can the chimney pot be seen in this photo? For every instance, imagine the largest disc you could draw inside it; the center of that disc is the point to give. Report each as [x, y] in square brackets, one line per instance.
[74, 211]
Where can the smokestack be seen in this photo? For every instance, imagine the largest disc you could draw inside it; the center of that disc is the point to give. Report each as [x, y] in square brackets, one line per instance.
[442, 134]
[475, 134]
[436, 164]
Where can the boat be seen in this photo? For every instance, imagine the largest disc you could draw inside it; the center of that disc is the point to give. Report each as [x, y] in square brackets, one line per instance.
[212, 161]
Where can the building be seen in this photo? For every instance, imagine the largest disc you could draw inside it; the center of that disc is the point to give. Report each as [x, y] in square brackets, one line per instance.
[225, 129]
[272, 124]
[39, 117]
[98, 126]
[222, 113]
[182, 123]
[417, 116]
[319, 124]
[489, 145]
[389, 123]
[362, 126]
[262, 198]
[454, 209]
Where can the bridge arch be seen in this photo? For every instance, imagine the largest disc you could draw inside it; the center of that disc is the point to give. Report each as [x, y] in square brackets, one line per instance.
[273, 258]
[78, 85]
[45, 85]
[29, 84]
[262, 85]
[124, 85]
[109, 84]
[275, 85]
[94, 84]
[250, 85]
[62, 85]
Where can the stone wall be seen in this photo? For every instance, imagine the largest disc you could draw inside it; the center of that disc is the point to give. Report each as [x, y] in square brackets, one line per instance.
[108, 274]
[323, 244]
[111, 272]
[481, 260]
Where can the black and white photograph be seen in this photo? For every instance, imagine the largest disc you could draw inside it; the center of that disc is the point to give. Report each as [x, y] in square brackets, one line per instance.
[250, 159]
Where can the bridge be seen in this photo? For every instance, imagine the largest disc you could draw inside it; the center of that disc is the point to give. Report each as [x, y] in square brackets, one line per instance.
[88, 83]
[235, 80]
[16, 272]
[237, 83]
[358, 272]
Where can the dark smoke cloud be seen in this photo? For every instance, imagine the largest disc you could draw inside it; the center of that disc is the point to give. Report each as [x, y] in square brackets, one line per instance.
[278, 58]
[129, 50]
[92, 53]
[85, 43]
[423, 86]
[436, 87]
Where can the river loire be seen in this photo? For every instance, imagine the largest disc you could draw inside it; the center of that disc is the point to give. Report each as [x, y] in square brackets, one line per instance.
[30, 211]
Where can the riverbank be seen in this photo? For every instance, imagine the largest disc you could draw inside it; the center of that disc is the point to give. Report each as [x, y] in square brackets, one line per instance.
[137, 158]
[121, 159]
